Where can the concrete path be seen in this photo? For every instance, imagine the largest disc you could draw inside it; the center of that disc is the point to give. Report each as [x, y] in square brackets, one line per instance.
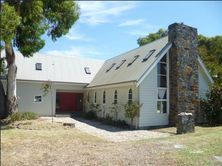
[107, 132]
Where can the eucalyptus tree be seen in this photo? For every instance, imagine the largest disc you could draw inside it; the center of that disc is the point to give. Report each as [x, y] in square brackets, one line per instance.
[23, 23]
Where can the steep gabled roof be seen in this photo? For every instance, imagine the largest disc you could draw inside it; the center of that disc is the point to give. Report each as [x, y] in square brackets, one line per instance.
[133, 72]
[57, 68]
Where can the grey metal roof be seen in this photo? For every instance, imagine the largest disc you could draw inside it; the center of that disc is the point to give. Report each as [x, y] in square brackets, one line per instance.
[57, 68]
[132, 72]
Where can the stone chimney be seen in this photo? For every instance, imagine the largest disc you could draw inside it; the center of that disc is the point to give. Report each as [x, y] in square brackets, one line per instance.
[183, 64]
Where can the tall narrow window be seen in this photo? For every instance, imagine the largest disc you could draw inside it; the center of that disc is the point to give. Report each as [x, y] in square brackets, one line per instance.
[133, 60]
[95, 97]
[130, 96]
[162, 85]
[88, 96]
[104, 97]
[115, 97]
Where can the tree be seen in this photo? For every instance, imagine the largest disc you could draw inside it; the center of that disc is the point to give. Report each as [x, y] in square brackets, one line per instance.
[210, 50]
[22, 25]
[151, 37]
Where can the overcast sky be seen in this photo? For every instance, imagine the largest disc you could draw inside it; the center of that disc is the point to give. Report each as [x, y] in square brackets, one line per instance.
[107, 29]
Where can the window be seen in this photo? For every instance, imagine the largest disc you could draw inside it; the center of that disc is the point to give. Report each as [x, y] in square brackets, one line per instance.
[87, 70]
[162, 85]
[88, 96]
[133, 60]
[123, 61]
[110, 67]
[148, 55]
[104, 97]
[95, 97]
[130, 96]
[115, 97]
[38, 99]
[38, 66]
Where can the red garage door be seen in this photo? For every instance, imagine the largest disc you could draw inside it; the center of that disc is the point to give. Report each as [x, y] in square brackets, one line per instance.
[68, 102]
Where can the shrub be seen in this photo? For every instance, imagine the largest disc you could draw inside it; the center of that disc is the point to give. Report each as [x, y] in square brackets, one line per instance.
[212, 105]
[19, 116]
[132, 110]
[90, 115]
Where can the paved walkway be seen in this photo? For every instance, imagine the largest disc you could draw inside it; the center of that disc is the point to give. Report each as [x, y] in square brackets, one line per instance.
[107, 132]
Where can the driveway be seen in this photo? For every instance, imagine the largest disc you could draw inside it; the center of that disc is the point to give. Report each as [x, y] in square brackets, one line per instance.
[107, 132]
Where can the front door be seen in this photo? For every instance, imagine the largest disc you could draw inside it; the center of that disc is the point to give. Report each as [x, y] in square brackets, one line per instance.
[67, 102]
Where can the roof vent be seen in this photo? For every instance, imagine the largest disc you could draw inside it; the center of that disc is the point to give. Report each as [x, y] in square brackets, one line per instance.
[133, 60]
[123, 61]
[87, 70]
[148, 55]
[110, 67]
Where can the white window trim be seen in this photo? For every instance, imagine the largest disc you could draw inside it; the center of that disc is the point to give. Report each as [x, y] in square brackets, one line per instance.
[167, 88]
[38, 101]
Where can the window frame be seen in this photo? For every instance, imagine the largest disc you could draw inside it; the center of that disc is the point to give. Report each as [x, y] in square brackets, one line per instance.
[165, 88]
[36, 101]
[122, 62]
[38, 66]
[104, 97]
[148, 55]
[133, 60]
[113, 64]
[115, 101]
[87, 70]
[130, 93]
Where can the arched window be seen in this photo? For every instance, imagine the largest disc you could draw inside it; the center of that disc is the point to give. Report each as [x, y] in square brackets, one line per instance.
[115, 97]
[130, 96]
[104, 97]
[95, 97]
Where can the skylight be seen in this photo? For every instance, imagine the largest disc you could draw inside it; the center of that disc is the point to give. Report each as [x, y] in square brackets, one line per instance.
[87, 70]
[38, 66]
[110, 67]
[123, 61]
[148, 55]
[133, 60]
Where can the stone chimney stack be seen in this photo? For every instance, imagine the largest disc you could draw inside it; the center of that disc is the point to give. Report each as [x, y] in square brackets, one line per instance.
[183, 64]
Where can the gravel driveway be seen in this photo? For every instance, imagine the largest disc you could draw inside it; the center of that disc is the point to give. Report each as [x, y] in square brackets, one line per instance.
[107, 132]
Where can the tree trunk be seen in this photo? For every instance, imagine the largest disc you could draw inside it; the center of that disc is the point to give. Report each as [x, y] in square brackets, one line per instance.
[2, 101]
[12, 100]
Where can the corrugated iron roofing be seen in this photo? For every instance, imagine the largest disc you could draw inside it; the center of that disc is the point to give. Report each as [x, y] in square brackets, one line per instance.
[56, 68]
[127, 73]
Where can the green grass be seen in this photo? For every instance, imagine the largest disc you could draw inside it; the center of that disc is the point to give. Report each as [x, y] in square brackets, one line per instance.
[200, 147]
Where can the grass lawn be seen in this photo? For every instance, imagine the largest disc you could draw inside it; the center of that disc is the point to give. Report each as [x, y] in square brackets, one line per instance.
[56, 145]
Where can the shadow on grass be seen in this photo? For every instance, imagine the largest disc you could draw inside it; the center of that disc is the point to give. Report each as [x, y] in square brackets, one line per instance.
[6, 127]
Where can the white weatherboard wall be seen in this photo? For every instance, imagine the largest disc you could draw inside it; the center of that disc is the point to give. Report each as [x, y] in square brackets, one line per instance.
[122, 99]
[204, 83]
[28, 90]
[148, 99]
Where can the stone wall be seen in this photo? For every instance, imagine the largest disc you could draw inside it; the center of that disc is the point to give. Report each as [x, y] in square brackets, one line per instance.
[183, 66]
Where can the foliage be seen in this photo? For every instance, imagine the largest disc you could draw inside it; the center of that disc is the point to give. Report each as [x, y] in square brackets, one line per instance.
[46, 87]
[132, 110]
[90, 115]
[115, 108]
[9, 22]
[212, 105]
[29, 20]
[151, 37]
[20, 116]
[95, 107]
[210, 50]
